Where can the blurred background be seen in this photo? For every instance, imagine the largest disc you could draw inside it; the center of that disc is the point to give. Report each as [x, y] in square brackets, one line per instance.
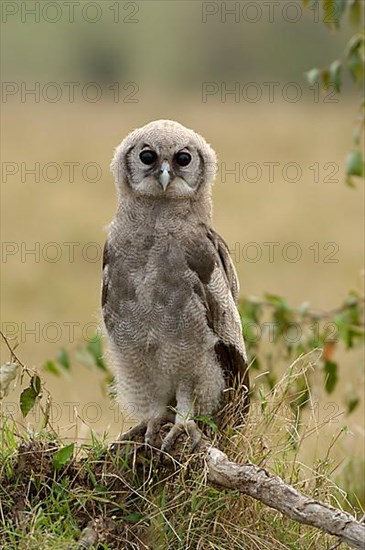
[77, 80]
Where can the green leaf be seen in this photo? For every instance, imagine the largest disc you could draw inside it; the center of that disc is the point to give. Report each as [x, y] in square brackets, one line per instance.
[344, 329]
[335, 74]
[352, 299]
[355, 13]
[328, 9]
[354, 164]
[62, 456]
[63, 359]
[353, 312]
[350, 182]
[313, 76]
[330, 368]
[250, 309]
[277, 301]
[351, 404]
[27, 400]
[94, 347]
[110, 387]
[354, 53]
[326, 78]
[333, 11]
[29, 395]
[51, 367]
[355, 66]
[354, 333]
[339, 7]
[282, 314]
[208, 421]
[134, 517]
[354, 43]
[356, 134]
[84, 357]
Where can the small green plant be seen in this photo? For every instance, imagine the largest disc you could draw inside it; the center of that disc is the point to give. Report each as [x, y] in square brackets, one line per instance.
[352, 63]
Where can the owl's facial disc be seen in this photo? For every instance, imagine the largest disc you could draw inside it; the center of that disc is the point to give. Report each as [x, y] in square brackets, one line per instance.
[163, 159]
[168, 166]
[158, 167]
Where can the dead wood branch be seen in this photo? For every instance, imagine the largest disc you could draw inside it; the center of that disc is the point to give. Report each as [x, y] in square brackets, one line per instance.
[274, 492]
[269, 489]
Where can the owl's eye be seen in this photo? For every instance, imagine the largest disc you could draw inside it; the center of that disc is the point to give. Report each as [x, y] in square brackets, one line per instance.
[183, 158]
[148, 157]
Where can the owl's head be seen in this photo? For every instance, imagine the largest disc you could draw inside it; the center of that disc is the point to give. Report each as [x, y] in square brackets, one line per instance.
[164, 159]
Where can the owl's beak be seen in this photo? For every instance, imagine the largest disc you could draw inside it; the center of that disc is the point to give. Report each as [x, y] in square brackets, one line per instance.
[165, 175]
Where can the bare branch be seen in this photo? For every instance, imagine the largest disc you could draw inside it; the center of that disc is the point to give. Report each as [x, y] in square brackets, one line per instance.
[274, 492]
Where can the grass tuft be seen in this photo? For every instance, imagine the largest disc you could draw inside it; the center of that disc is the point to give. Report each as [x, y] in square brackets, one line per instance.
[51, 492]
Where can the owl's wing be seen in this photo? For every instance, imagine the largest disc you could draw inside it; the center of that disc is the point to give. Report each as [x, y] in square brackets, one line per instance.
[218, 288]
[106, 282]
[226, 261]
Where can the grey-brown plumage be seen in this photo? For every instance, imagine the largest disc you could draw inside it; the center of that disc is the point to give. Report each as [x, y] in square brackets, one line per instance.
[169, 286]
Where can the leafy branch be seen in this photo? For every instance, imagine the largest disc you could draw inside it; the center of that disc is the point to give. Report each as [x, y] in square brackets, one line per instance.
[353, 62]
[36, 389]
[292, 332]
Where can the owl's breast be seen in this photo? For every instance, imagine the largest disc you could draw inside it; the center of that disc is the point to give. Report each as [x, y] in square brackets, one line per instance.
[163, 278]
[153, 289]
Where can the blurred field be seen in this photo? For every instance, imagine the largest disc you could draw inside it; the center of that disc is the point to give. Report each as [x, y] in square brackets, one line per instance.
[304, 212]
[314, 135]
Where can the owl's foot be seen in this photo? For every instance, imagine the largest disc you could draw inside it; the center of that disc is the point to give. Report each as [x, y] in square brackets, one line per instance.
[190, 428]
[154, 426]
[130, 435]
[150, 430]
[133, 432]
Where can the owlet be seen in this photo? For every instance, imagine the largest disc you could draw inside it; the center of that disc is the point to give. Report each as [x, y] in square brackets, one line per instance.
[169, 285]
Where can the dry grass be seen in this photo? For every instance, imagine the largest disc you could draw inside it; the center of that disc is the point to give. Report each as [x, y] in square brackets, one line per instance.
[133, 503]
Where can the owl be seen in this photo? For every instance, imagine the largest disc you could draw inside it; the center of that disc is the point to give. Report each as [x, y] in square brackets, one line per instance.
[170, 289]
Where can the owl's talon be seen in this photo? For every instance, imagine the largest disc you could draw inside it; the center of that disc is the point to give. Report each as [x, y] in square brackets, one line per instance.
[153, 428]
[131, 434]
[190, 428]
